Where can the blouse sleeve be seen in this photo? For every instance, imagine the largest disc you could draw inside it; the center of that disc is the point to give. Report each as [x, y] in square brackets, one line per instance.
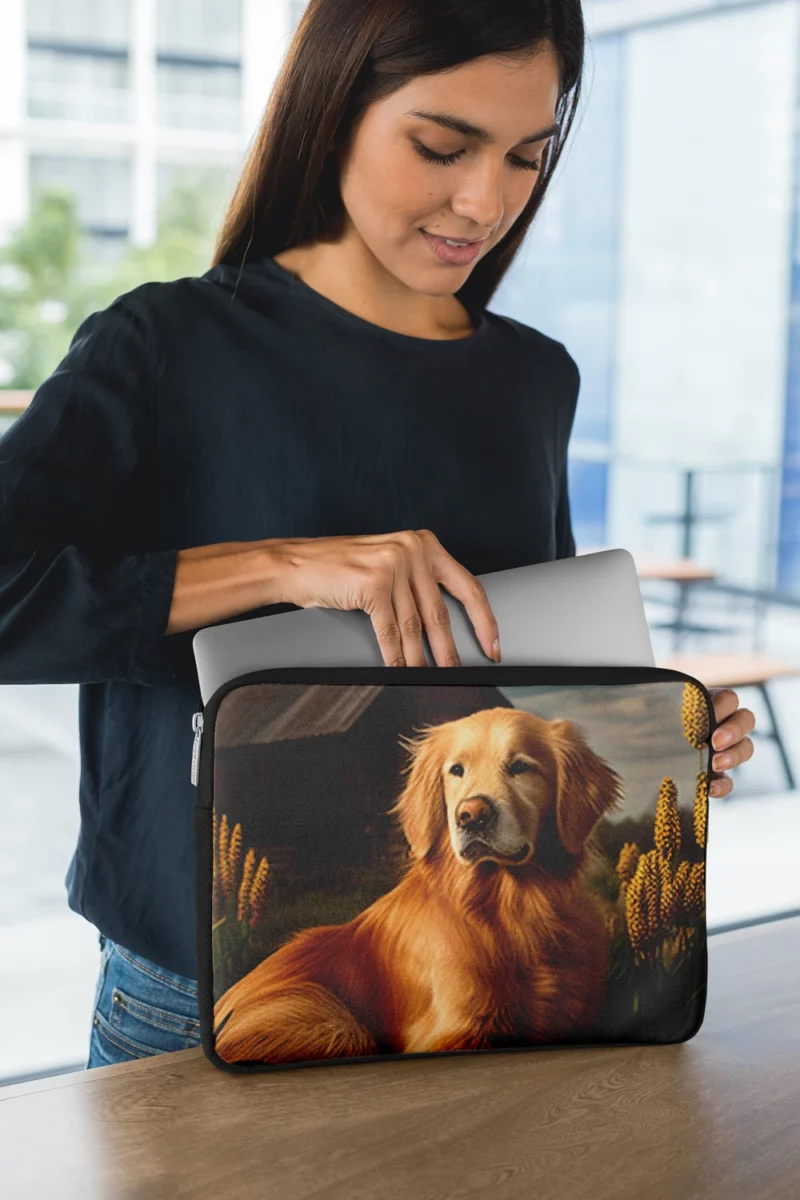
[565, 540]
[81, 598]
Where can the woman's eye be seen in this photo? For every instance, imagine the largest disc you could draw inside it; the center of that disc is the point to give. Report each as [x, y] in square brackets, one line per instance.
[446, 160]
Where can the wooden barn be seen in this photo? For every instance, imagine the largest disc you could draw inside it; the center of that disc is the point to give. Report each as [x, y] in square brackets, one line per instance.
[311, 771]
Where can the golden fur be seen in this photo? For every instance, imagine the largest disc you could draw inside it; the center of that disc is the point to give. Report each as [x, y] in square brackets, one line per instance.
[491, 938]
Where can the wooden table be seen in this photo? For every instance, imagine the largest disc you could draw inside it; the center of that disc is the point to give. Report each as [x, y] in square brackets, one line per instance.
[675, 570]
[712, 1119]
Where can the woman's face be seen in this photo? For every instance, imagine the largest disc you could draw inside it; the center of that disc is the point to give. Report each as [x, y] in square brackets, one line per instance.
[392, 191]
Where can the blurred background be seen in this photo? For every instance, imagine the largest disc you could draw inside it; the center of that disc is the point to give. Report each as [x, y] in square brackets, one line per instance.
[666, 257]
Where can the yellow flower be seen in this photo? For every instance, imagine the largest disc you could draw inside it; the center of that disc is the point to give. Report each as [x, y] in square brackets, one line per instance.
[242, 911]
[636, 914]
[695, 890]
[258, 891]
[701, 809]
[651, 876]
[626, 863]
[680, 898]
[666, 899]
[694, 715]
[667, 826]
[234, 850]
[222, 861]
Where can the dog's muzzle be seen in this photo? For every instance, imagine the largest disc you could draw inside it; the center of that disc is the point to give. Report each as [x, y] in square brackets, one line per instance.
[482, 832]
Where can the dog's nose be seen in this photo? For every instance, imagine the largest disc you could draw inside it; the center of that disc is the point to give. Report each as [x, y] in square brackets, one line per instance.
[474, 811]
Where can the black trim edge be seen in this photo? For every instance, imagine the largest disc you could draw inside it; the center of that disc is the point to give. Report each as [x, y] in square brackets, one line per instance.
[500, 675]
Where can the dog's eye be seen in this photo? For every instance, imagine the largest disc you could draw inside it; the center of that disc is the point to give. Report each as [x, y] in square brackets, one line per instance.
[519, 766]
[456, 769]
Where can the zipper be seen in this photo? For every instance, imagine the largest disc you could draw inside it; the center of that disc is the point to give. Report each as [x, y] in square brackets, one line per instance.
[197, 726]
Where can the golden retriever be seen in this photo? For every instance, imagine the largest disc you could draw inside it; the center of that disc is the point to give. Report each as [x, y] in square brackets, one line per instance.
[492, 937]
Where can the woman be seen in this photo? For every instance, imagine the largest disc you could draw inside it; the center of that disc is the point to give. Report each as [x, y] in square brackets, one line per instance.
[328, 417]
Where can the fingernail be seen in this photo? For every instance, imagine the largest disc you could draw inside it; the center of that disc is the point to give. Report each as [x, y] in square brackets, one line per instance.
[721, 761]
[496, 650]
[723, 737]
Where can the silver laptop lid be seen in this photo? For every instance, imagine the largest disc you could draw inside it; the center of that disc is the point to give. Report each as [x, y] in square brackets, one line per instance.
[580, 611]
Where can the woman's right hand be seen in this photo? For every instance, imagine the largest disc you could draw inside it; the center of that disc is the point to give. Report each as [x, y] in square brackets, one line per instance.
[394, 578]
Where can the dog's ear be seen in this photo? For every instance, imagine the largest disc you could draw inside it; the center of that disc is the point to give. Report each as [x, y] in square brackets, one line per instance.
[586, 787]
[420, 805]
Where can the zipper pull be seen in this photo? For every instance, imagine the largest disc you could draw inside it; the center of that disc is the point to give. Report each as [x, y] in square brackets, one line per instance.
[197, 726]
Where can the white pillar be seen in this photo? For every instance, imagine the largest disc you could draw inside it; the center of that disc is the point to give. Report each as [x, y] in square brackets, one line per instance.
[13, 156]
[265, 38]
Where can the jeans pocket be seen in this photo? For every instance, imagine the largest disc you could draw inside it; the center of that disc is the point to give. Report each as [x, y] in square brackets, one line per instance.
[141, 1009]
[150, 1028]
[107, 1047]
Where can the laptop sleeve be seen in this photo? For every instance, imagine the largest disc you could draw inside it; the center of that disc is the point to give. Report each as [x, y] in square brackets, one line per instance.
[409, 861]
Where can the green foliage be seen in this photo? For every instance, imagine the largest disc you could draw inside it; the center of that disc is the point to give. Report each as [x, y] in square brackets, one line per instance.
[51, 279]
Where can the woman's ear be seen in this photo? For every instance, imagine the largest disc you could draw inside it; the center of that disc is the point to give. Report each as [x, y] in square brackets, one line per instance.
[420, 805]
[586, 787]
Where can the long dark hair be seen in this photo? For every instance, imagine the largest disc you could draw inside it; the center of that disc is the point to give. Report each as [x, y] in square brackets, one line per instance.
[347, 54]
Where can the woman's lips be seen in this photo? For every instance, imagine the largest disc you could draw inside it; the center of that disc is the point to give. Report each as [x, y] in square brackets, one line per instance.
[454, 255]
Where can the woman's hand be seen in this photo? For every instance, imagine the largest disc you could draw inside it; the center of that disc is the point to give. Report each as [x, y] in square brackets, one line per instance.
[729, 741]
[394, 578]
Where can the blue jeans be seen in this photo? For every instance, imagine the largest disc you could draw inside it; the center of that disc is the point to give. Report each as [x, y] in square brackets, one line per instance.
[140, 1009]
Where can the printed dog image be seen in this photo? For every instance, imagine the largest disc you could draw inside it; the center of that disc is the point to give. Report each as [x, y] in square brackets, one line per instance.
[491, 938]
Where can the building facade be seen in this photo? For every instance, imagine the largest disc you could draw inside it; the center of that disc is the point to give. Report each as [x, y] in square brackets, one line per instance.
[122, 99]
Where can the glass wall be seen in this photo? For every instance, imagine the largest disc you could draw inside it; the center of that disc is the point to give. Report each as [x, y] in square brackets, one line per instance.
[666, 259]
[565, 280]
[662, 259]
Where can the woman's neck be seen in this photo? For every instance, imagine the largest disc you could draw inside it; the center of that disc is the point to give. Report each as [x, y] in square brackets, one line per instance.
[349, 277]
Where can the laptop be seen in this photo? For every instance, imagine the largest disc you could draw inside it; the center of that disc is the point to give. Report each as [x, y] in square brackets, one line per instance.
[585, 610]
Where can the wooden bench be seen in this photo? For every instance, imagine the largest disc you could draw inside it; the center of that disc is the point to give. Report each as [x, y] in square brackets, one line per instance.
[12, 403]
[740, 671]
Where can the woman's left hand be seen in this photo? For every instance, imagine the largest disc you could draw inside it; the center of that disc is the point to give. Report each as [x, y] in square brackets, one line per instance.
[730, 742]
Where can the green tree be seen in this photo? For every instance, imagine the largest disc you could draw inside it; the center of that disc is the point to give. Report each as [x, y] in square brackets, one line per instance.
[50, 280]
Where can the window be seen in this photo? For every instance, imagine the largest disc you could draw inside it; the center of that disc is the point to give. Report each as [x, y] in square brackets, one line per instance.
[198, 66]
[197, 95]
[95, 22]
[204, 28]
[670, 275]
[71, 86]
[102, 187]
[78, 62]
